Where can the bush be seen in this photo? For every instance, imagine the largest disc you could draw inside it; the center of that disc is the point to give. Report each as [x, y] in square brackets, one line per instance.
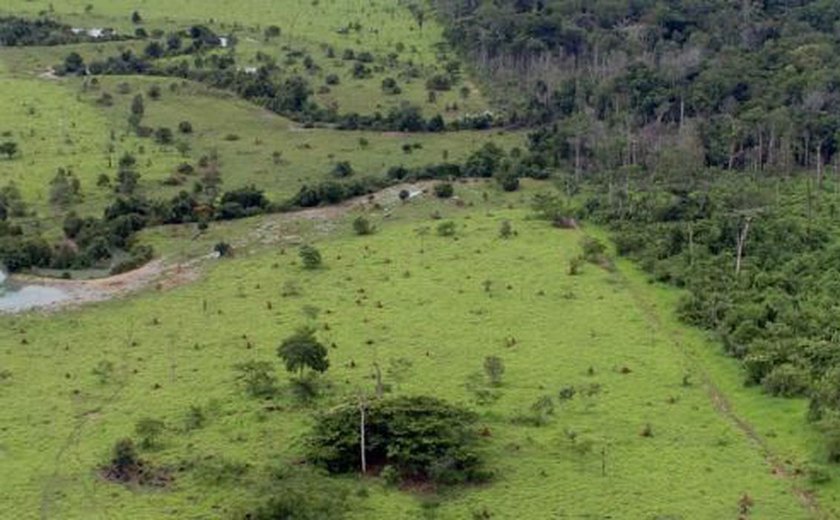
[439, 82]
[257, 377]
[444, 190]
[508, 181]
[310, 257]
[301, 494]
[342, 169]
[362, 226]
[422, 438]
[223, 249]
[494, 367]
[446, 229]
[786, 380]
[185, 127]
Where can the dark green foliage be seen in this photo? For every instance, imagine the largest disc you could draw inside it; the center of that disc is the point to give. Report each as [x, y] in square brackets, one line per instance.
[164, 135]
[257, 378]
[223, 249]
[9, 149]
[310, 257]
[302, 351]
[446, 229]
[506, 229]
[300, 493]
[342, 169]
[494, 367]
[149, 431]
[137, 106]
[730, 86]
[362, 226]
[185, 127]
[444, 190]
[126, 467]
[65, 188]
[73, 64]
[422, 438]
[390, 86]
[508, 181]
[21, 32]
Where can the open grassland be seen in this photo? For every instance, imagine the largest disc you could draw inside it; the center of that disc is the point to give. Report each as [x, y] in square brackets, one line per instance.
[58, 124]
[400, 46]
[641, 437]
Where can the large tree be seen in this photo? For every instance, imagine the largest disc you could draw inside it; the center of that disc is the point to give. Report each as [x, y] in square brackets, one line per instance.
[302, 351]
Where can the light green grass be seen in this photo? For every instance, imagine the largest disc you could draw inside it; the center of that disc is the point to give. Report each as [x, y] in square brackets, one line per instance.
[57, 123]
[60, 422]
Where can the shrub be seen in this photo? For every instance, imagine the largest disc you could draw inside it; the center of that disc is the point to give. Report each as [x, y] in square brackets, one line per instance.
[439, 82]
[506, 229]
[223, 249]
[149, 431]
[362, 226]
[446, 229]
[786, 380]
[508, 181]
[310, 257]
[444, 190]
[342, 169]
[185, 127]
[494, 367]
[257, 377]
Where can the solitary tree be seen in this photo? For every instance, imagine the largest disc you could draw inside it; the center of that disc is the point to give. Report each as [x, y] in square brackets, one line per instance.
[302, 351]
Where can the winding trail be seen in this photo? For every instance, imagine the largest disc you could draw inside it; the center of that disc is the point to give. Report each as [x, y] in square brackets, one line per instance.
[164, 274]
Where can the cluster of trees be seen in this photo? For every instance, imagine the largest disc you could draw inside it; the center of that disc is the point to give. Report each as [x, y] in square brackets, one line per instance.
[269, 85]
[734, 85]
[194, 40]
[410, 438]
[489, 161]
[19, 32]
[761, 270]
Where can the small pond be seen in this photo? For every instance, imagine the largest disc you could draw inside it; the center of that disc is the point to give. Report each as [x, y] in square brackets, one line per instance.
[18, 298]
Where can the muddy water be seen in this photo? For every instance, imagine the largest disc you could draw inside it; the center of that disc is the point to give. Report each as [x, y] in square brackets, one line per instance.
[14, 298]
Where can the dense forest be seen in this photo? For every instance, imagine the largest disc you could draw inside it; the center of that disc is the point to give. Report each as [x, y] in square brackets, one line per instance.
[705, 136]
[749, 85]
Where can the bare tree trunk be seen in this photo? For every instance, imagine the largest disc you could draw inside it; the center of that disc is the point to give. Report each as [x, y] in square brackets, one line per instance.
[362, 434]
[690, 244]
[819, 166]
[742, 241]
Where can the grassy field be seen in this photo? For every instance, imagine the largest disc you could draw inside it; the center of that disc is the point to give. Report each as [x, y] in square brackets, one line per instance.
[659, 425]
[58, 123]
[403, 299]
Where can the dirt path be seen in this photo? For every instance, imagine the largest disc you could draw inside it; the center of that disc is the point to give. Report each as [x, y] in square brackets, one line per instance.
[164, 274]
[722, 406]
